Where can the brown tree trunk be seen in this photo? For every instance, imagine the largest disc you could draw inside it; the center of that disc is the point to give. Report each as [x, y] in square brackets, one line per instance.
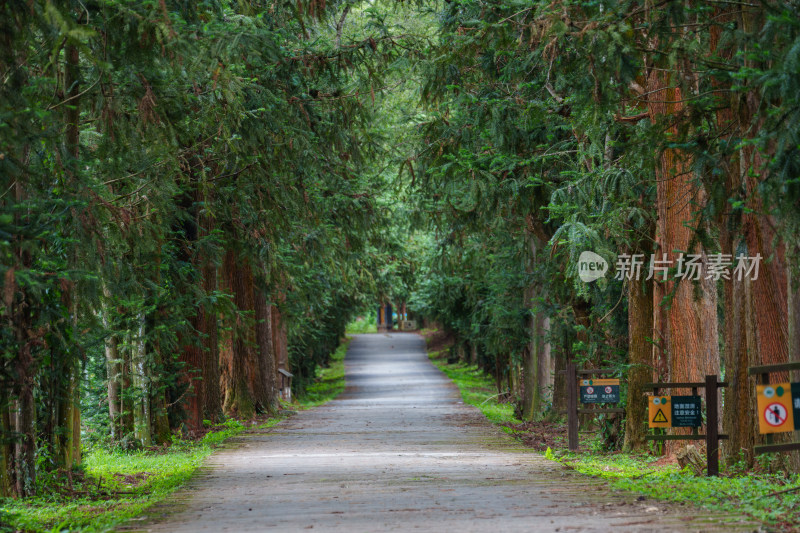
[67, 402]
[279, 338]
[193, 377]
[640, 354]
[266, 351]
[212, 396]
[113, 370]
[559, 379]
[25, 408]
[6, 449]
[687, 319]
[239, 365]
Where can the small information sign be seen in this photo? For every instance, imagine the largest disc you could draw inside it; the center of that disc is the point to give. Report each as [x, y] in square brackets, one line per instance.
[775, 408]
[599, 390]
[659, 412]
[686, 412]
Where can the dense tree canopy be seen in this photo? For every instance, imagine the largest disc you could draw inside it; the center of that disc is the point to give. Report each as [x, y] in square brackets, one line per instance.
[195, 194]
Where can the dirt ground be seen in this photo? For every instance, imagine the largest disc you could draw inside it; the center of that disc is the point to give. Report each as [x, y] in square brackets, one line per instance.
[399, 451]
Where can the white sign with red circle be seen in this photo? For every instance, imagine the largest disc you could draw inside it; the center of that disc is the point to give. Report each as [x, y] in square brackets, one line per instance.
[608, 390]
[776, 414]
[589, 390]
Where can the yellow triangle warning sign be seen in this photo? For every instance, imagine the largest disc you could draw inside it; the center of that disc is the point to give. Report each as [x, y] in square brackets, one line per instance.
[659, 412]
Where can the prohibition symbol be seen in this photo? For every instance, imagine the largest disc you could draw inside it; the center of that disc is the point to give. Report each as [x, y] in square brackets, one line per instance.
[775, 414]
[660, 417]
[589, 390]
[608, 390]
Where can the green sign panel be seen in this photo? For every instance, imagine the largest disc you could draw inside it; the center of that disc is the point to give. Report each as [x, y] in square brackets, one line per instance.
[599, 390]
[686, 412]
[796, 405]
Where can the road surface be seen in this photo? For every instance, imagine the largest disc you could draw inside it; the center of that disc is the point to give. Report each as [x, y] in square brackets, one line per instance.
[399, 451]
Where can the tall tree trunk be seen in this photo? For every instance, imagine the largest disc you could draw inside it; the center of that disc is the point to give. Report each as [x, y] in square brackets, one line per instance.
[6, 449]
[212, 397]
[279, 337]
[559, 377]
[687, 322]
[139, 375]
[545, 363]
[266, 350]
[531, 352]
[66, 437]
[239, 398]
[113, 370]
[640, 353]
[193, 377]
[25, 408]
[159, 416]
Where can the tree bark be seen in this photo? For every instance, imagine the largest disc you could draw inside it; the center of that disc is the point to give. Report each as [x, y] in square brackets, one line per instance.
[687, 319]
[65, 437]
[139, 375]
[113, 369]
[212, 397]
[266, 351]
[279, 338]
[239, 398]
[640, 355]
[6, 449]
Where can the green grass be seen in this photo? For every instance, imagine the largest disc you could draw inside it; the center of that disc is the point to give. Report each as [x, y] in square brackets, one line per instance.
[115, 486]
[736, 493]
[365, 324]
[329, 382]
[476, 389]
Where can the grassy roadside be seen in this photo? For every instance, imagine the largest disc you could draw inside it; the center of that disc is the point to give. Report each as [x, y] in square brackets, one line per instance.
[329, 382]
[115, 485]
[736, 492]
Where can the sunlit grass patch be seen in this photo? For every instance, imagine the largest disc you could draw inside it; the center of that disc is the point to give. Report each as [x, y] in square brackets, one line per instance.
[329, 382]
[115, 485]
[365, 324]
[476, 388]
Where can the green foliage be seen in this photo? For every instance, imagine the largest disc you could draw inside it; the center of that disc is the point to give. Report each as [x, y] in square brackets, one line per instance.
[736, 493]
[363, 324]
[329, 381]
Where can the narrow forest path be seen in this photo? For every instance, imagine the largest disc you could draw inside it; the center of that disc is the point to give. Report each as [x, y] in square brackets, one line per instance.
[400, 451]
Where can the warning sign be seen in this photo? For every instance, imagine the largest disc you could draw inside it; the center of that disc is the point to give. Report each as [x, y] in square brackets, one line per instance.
[659, 409]
[775, 409]
[599, 390]
[686, 412]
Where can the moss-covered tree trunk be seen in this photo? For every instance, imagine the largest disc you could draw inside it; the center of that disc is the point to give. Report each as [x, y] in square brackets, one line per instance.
[141, 384]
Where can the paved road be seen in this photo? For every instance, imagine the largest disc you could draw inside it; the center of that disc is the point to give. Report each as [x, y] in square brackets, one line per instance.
[400, 451]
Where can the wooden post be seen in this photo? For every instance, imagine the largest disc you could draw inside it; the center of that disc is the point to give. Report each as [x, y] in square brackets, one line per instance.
[712, 426]
[572, 406]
